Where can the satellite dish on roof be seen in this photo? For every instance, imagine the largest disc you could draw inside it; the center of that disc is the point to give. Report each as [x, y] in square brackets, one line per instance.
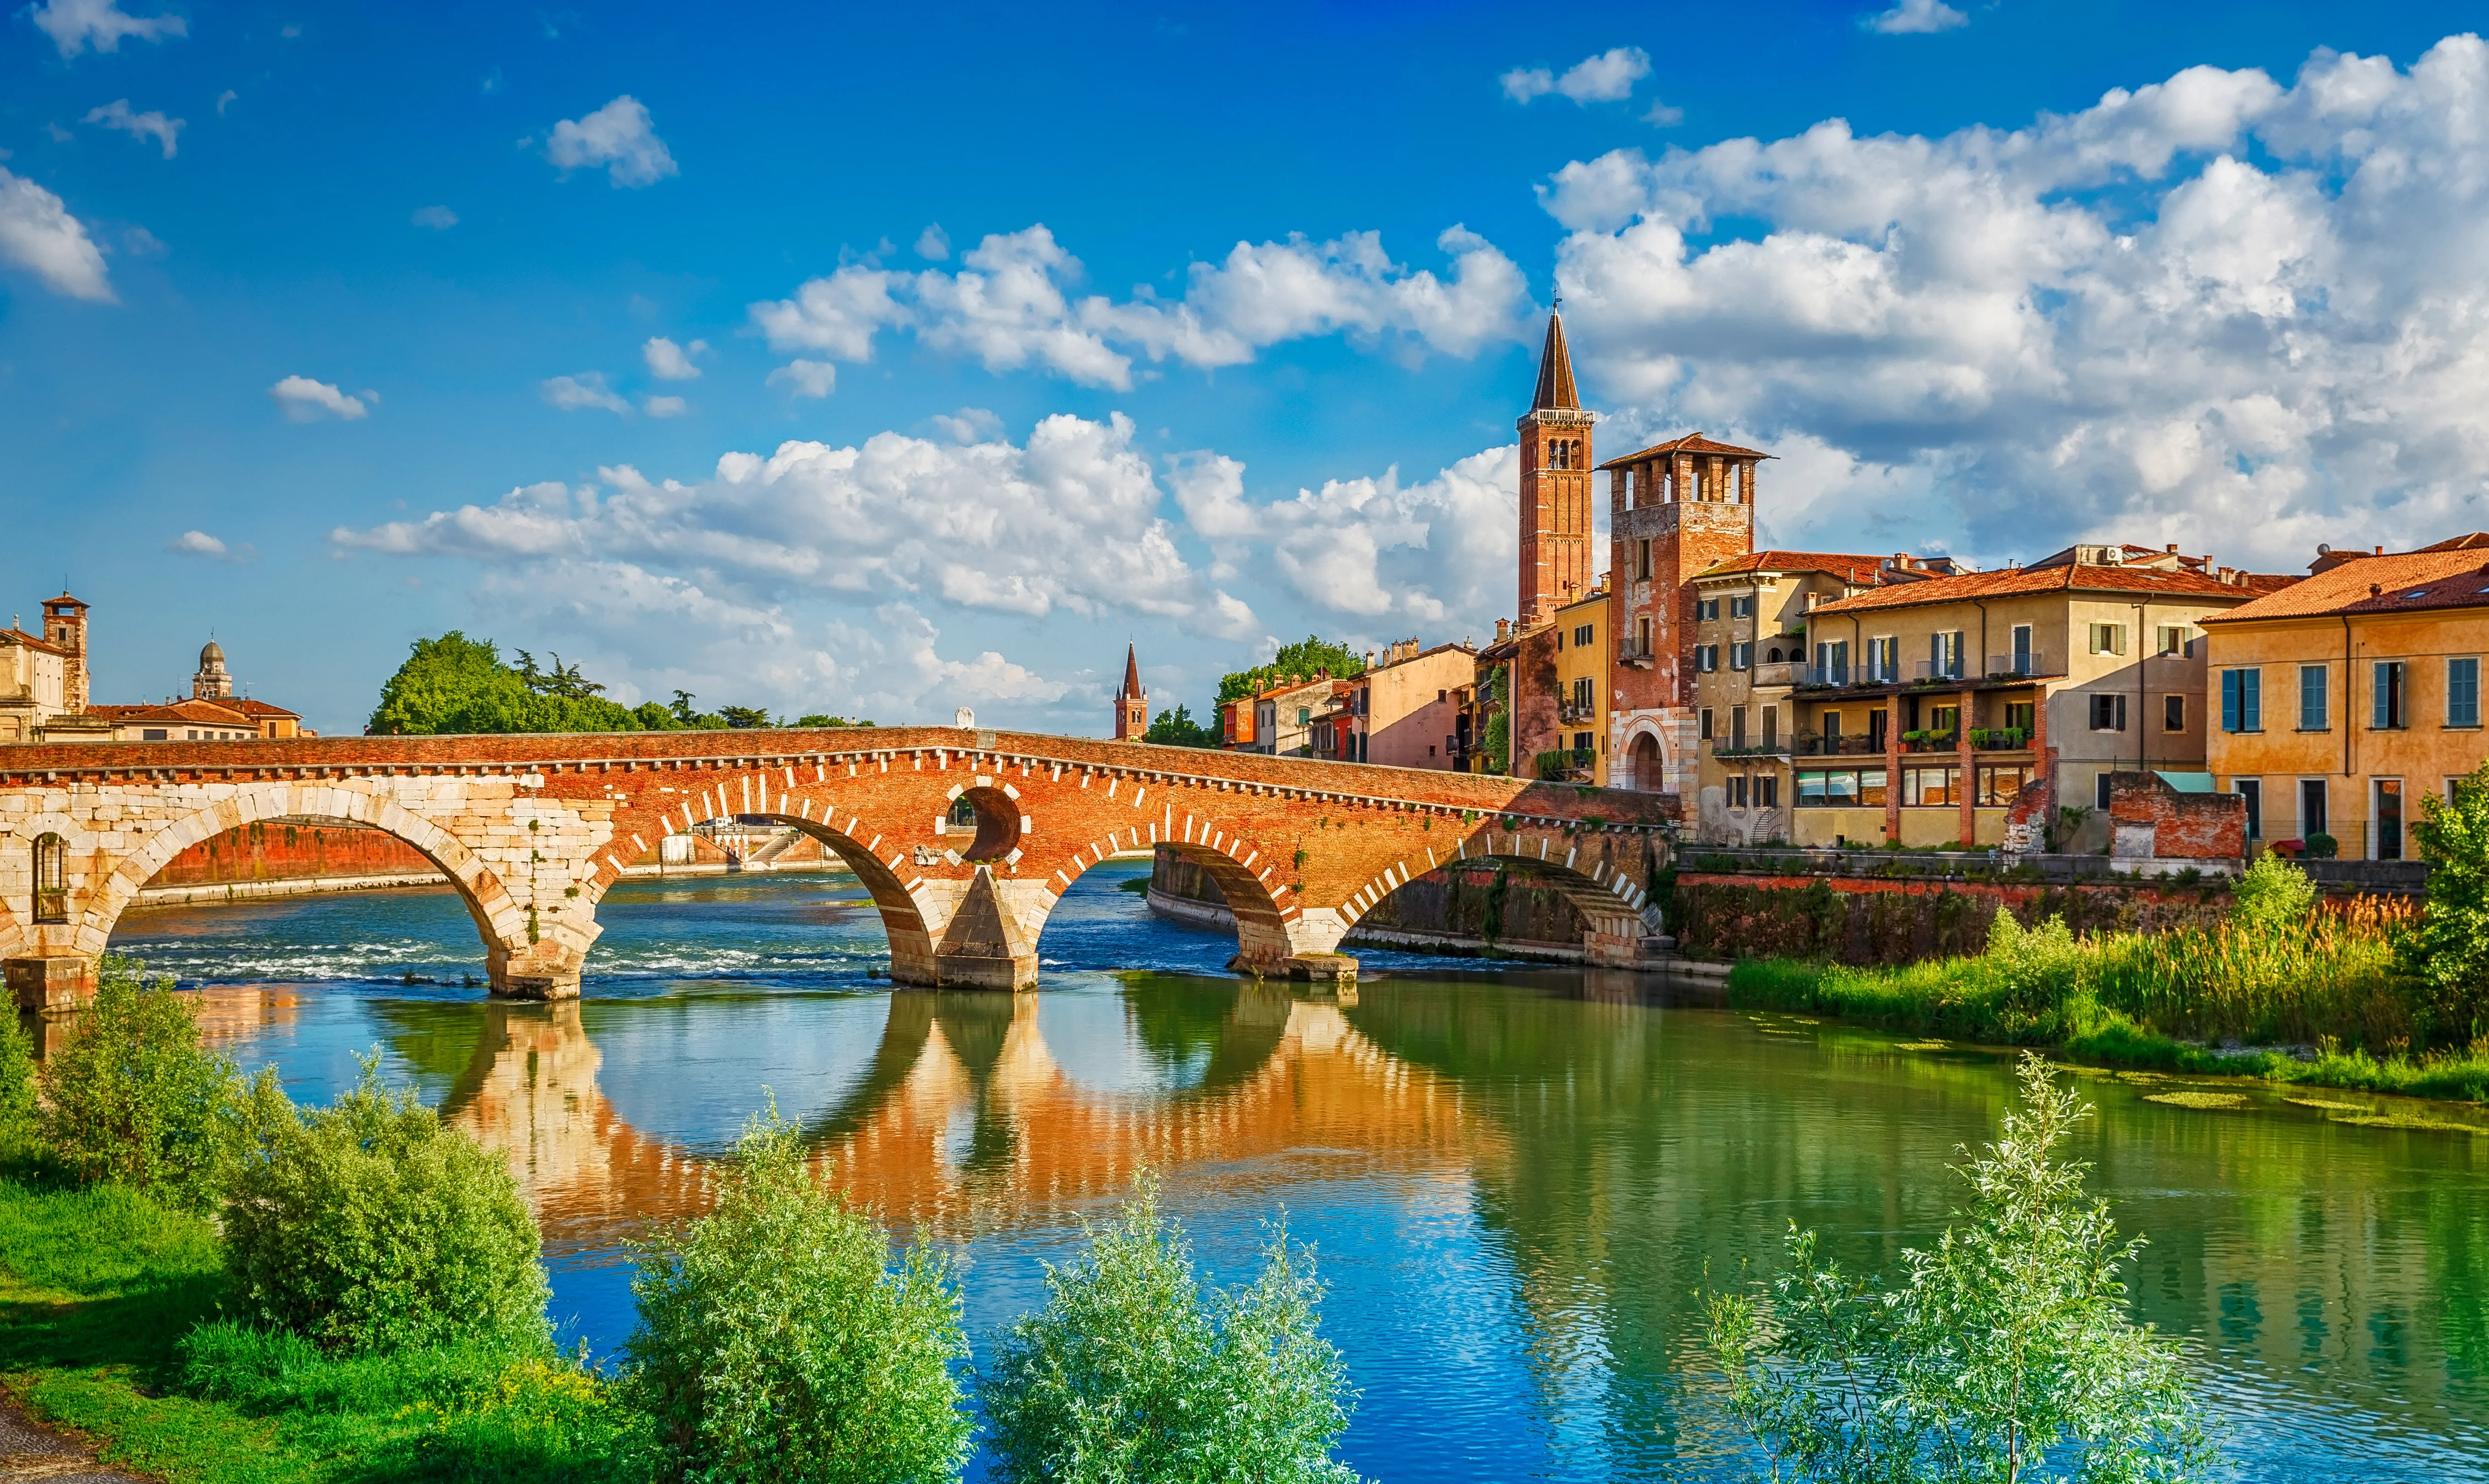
[2324, 549]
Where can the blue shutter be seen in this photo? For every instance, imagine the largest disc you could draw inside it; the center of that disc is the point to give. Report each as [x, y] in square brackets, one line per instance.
[2229, 701]
[2251, 701]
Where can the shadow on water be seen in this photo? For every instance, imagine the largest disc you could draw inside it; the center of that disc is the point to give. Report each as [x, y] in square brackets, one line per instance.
[1515, 1179]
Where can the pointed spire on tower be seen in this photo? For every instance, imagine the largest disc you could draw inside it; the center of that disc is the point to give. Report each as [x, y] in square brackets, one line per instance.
[1556, 371]
[1132, 671]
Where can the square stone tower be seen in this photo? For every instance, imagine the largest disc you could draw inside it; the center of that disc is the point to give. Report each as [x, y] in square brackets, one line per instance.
[1557, 563]
[1673, 510]
[64, 627]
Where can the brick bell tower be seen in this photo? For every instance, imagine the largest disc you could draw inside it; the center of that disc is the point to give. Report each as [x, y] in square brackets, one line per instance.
[1557, 563]
[1132, 704]
[1675, 509]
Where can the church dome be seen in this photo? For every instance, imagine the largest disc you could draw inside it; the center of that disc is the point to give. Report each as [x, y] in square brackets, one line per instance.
[211, 657]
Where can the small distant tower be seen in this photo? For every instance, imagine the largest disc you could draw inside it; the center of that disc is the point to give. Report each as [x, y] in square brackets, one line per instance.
[1133, 705]
[64, 625]
[213, 682]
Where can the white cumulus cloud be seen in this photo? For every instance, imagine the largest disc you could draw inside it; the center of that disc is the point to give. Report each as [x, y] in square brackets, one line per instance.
[1015, 304]
[75, 25]
[439, 219]
[620, 137]
[1915, 18]
[809, 378]
[2214, 310]
[1606, 78]
[150, 125]
[304, 400]
[38, 234]
[671, 361]
[198, 543]
[574, 393]
[664, 407]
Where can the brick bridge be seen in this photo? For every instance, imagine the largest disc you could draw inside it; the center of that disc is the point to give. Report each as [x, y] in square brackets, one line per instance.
[965, 838]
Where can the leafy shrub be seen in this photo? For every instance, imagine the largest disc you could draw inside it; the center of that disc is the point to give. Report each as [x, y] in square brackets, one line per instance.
[135, 1097]
[370, 1225]
[19, 1121]
[2322, 847]
[2274, 896]
[2005, 1350]
[2034, 967]
[776, 1343]
[1132, 1375]
[2449, 950]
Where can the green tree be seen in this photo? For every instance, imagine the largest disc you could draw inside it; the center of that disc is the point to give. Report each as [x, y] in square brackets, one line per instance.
[2449, 950]
[1132, 1375]
[776, 1342]
[454, 684]
[2006, 1354]
[743, 718]
[1299, 661]
[1178, 729]
[134, 1097]
[370, 1225]
[816, 719]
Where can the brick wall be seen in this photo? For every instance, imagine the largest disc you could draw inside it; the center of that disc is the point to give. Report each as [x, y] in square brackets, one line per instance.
[284, 850]
[1859, 920]
[2149, 820]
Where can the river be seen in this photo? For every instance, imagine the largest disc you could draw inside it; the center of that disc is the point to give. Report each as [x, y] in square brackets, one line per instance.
[1514, 1178]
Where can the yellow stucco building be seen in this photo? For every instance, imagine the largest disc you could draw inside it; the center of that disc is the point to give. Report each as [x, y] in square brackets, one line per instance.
[1583, 664]
[2346, 697]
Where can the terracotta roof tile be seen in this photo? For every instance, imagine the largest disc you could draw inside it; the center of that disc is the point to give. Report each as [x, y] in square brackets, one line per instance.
[1855, 570]
[195, 713]
[2020, 579]
[31, 641]
[2447, 575]
[1691, 442]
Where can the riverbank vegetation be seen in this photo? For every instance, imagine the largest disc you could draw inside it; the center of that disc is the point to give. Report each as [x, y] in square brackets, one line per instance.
[2287, 988]
[222, 1286]
[2003, 1350]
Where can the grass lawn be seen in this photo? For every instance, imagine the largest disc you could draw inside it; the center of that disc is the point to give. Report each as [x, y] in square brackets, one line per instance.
[109, 1324]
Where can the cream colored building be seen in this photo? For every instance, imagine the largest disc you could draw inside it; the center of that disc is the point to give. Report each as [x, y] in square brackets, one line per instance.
[1749, 652]
[1405, 710]
[1928, 702]
[43, 676]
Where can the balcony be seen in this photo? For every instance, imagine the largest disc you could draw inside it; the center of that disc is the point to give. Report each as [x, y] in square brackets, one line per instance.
[2014, 666]
[1749, 750]
[1783, 673]
[1807, 745]
[1572, 715]
[1928, 672]
[1639, 656]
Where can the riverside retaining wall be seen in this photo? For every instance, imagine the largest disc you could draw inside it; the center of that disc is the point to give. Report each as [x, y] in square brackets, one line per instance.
[1864, 921]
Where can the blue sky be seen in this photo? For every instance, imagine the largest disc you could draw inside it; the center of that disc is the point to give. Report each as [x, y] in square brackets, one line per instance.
[831, 360]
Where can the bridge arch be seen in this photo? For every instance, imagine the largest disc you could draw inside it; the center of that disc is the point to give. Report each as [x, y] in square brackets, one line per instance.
[902, 916]
[1601, 874]
[499, 921]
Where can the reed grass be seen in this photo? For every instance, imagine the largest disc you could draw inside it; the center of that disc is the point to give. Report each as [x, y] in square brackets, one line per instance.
[2314, 1000]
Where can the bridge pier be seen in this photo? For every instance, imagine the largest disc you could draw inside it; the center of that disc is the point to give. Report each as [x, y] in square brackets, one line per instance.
[537, 971]
[51, 982]
[986, 944]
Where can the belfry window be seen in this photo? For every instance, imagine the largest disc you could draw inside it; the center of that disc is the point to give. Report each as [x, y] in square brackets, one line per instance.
[51, 879]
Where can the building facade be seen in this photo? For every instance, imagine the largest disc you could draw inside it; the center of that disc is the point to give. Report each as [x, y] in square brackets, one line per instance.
[1584, 662]
[1931, 702]
[1750, 655]
[2339, 702]
[1283, 716]
[1674, 510]
[1404, 710]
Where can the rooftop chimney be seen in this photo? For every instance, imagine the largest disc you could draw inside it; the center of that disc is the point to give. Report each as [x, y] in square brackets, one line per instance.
[1503, 630]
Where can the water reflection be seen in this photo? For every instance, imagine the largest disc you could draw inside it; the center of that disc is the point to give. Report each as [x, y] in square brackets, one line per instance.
[971, 1111]
[1516, 1181]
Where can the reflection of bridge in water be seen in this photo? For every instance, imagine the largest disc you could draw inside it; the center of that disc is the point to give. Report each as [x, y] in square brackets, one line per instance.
[964, 1117]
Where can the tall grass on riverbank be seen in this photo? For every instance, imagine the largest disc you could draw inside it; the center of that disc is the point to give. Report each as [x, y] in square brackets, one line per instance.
[2281, 970]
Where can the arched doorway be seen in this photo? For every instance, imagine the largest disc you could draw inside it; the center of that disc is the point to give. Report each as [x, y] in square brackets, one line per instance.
[1645, 758]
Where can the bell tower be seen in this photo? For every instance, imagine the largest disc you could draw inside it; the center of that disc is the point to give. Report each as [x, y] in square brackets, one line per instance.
[1132, 704]
[1557, 563]
[64, 625]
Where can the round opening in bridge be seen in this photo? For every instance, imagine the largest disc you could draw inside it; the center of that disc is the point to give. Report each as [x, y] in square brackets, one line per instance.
[994, 815]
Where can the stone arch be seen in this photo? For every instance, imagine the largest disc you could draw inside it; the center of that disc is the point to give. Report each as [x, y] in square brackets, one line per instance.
[1267, 933]
[498, 920]
[902, 916]
[1646, 758]
[1598, 872]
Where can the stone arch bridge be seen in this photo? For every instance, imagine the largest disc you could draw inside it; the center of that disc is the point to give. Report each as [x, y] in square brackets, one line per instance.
[965, 838]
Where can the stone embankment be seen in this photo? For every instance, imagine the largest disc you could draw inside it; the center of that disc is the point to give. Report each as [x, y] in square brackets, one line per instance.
[1467, 911]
